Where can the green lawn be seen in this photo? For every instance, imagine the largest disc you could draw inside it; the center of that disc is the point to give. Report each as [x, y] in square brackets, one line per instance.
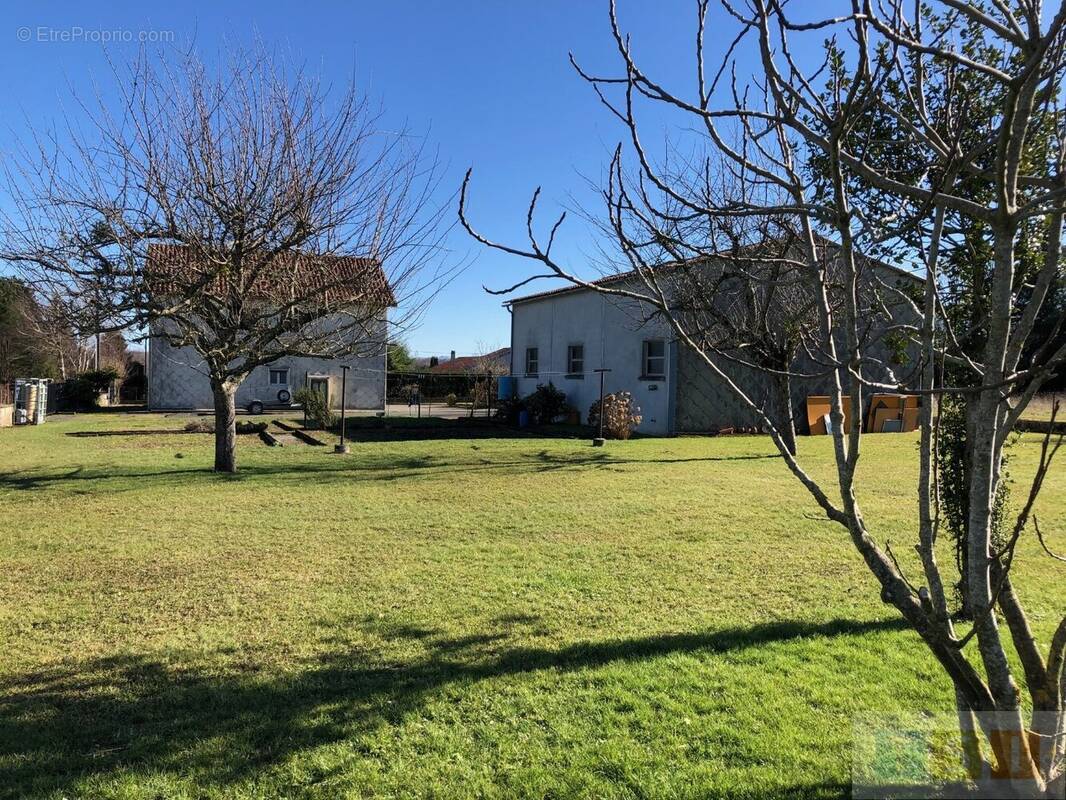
[454, 618]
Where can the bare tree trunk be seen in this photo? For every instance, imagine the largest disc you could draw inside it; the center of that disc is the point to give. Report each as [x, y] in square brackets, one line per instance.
[1009, 738]
[786, 425]
[225, 392]
[989, 183]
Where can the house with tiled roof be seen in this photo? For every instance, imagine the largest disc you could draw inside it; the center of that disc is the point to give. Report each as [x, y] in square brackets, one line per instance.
[177, 378]
[498, 362]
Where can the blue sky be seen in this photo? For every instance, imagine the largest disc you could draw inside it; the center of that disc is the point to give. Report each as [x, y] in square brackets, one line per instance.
[488, 82]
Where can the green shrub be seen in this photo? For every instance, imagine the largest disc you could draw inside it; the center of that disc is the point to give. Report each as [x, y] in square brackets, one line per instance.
[315, 408]
[452, 400]
[954, 485]
[546, 404]
[83, 391]
[507, 410]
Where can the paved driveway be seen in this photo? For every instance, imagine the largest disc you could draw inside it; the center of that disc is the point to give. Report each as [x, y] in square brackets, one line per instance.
[439, 410]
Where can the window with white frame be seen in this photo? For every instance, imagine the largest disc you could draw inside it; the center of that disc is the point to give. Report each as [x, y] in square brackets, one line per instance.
[654, 365]
[532, 361]
[279, 377]
[575, 360]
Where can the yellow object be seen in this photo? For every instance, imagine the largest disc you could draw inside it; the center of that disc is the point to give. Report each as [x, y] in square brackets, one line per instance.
[884, 407]
[817, 407]
[910, 419]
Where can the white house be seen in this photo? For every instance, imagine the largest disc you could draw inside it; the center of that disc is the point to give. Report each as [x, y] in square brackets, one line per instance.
[564, 336]
[177, 378]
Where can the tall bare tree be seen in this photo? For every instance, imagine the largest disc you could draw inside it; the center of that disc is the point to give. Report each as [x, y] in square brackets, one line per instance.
[743, 299]
[246, 212]
[800, 136]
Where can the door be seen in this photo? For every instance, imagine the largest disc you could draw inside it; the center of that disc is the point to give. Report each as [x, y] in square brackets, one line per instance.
[321, 385]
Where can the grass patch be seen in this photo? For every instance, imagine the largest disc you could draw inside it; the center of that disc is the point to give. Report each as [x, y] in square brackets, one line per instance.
[500, 616]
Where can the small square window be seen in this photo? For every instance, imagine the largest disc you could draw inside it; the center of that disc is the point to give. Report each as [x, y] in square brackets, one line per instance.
[532, 361]
[575, 360]
[654, 359]
[279, 377]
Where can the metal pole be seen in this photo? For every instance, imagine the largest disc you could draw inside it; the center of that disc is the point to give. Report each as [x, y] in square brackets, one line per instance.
[599, 440]
[342, 447]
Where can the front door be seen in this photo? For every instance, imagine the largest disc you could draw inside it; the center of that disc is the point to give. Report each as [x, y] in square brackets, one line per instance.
[321, 385]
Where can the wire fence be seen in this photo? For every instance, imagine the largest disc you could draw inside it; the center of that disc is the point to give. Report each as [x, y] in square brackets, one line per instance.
[435, 394]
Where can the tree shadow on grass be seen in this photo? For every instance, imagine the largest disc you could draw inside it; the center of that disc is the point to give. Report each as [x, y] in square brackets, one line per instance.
[356, 467]
[140, 715]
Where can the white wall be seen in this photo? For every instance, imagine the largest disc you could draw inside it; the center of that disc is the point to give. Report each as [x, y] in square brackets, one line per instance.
[177, 378]
[612, 331]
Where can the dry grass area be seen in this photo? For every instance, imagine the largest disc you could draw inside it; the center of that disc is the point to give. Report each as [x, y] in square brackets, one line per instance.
[1040, 407]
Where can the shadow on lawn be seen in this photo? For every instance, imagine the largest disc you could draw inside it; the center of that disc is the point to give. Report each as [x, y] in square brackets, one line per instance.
[406, 429]
[139, 715]
[355, 467]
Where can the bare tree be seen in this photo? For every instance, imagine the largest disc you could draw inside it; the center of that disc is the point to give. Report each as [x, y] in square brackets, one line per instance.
[247, 213]
[801, 142]
[748, 304]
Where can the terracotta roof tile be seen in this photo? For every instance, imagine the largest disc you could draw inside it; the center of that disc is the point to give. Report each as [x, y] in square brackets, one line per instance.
[341, 279]
[500, 357]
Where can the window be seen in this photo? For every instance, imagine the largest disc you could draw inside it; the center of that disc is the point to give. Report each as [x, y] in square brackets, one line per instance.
[279, 377]
[532, 361]
[654, 359]
[575, 361]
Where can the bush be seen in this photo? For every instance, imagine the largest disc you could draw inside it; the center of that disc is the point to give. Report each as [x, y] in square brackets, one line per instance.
[620, 415]
[409, 392]
[83, 391]
[571, 415]
[546, 404]
[508, 409]
[452, 400]
[315, 408]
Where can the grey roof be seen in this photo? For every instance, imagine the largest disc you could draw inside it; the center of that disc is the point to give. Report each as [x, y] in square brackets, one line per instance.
[621, 277]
